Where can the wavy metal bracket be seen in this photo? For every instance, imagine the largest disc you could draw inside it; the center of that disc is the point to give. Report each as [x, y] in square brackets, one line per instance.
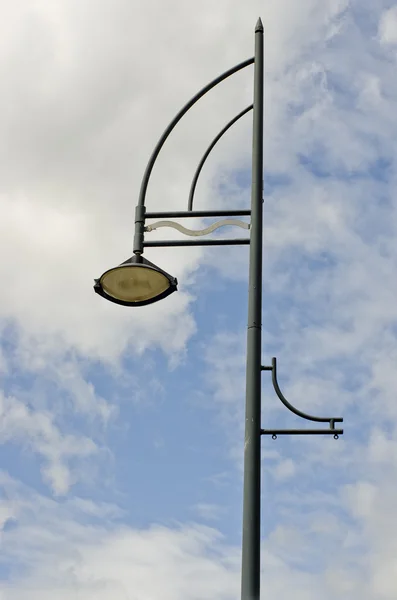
[197, 232]
[275, 432]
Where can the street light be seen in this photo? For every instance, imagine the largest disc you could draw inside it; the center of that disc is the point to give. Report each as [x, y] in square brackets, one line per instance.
[137, 282]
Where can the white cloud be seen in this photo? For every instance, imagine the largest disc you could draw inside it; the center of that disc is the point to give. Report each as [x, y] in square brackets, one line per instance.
[388, 26]
[59, 557]
[101, 510]
[35, 431]
[208, 512]
[362, 498]
[285, 469]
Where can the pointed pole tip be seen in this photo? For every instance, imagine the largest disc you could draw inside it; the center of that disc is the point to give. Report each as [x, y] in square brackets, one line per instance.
[259, 25]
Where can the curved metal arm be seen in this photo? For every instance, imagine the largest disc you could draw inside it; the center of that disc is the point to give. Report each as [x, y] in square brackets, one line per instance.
[330, 420]
[160, 143]
[207, 152]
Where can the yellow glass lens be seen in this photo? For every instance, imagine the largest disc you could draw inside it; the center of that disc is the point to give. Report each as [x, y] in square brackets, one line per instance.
[134, 283]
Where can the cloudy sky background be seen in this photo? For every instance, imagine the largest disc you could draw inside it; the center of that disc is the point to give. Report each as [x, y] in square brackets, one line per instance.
[121, 430]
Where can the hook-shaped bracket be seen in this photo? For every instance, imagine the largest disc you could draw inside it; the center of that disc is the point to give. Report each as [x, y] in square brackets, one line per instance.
[275, 432]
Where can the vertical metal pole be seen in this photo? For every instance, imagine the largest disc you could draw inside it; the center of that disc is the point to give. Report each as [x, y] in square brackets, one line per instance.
[250, 573]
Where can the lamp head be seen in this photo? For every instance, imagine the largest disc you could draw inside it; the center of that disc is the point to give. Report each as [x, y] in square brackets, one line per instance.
[136, 282]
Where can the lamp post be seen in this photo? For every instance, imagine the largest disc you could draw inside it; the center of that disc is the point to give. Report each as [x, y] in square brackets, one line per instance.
[138, 282]
[250, 572]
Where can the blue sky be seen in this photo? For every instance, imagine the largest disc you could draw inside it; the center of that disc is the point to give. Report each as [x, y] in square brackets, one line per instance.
[122, 430]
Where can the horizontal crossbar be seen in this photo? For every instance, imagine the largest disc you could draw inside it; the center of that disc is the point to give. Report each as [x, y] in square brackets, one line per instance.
[302, 432]
[170, 243]
[185, 214]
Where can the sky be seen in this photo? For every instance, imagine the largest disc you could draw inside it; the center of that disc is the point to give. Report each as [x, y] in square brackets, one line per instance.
[121, 429]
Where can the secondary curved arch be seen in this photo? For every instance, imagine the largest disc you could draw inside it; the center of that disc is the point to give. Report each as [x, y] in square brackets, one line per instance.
[208, 151]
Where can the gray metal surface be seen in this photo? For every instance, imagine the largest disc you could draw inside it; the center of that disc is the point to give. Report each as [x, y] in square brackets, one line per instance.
[250, 572]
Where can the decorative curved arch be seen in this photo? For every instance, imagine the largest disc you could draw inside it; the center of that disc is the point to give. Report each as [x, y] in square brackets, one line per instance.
[178, 117]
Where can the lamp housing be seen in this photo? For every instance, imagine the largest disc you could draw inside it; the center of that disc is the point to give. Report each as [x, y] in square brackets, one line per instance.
[136, 282]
